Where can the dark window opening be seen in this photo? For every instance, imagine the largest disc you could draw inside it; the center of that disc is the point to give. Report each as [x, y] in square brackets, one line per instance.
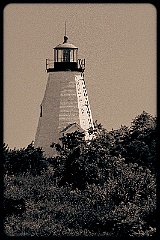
[41, 111]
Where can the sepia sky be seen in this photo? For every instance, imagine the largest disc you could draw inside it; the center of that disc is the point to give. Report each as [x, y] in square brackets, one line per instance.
[118, 42]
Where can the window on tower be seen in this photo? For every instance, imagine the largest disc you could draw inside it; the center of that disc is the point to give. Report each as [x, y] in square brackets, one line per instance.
[41, 111]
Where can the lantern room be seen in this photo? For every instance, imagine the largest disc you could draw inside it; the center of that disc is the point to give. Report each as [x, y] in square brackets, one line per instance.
[65, 58]
[65, 52]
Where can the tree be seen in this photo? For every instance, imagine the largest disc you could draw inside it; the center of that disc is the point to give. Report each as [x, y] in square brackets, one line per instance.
[136, 144]
[141, 147]
[87, 160]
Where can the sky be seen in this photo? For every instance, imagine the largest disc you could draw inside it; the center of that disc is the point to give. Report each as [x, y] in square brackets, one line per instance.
[118, 42]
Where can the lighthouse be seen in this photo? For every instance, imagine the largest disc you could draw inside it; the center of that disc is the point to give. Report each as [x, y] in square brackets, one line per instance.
[65, 106]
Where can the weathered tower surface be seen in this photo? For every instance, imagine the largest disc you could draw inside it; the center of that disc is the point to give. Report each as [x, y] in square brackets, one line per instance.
[65, 106]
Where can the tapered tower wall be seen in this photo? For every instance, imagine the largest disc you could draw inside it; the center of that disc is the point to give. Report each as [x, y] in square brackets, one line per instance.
[58, 109]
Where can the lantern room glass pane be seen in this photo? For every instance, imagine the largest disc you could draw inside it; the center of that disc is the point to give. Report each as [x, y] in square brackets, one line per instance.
[66, 55]
[71, 55]
[55, 55]
[74, 55]
[60, 57]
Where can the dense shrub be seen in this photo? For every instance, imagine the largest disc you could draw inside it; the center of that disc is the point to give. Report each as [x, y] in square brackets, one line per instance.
[22, 160]
[52, 210]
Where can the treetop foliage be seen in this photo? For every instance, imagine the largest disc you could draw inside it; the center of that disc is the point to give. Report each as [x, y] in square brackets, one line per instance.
[22, 160]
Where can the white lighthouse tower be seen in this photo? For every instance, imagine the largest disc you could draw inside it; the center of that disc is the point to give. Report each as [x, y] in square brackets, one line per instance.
[65, 106]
